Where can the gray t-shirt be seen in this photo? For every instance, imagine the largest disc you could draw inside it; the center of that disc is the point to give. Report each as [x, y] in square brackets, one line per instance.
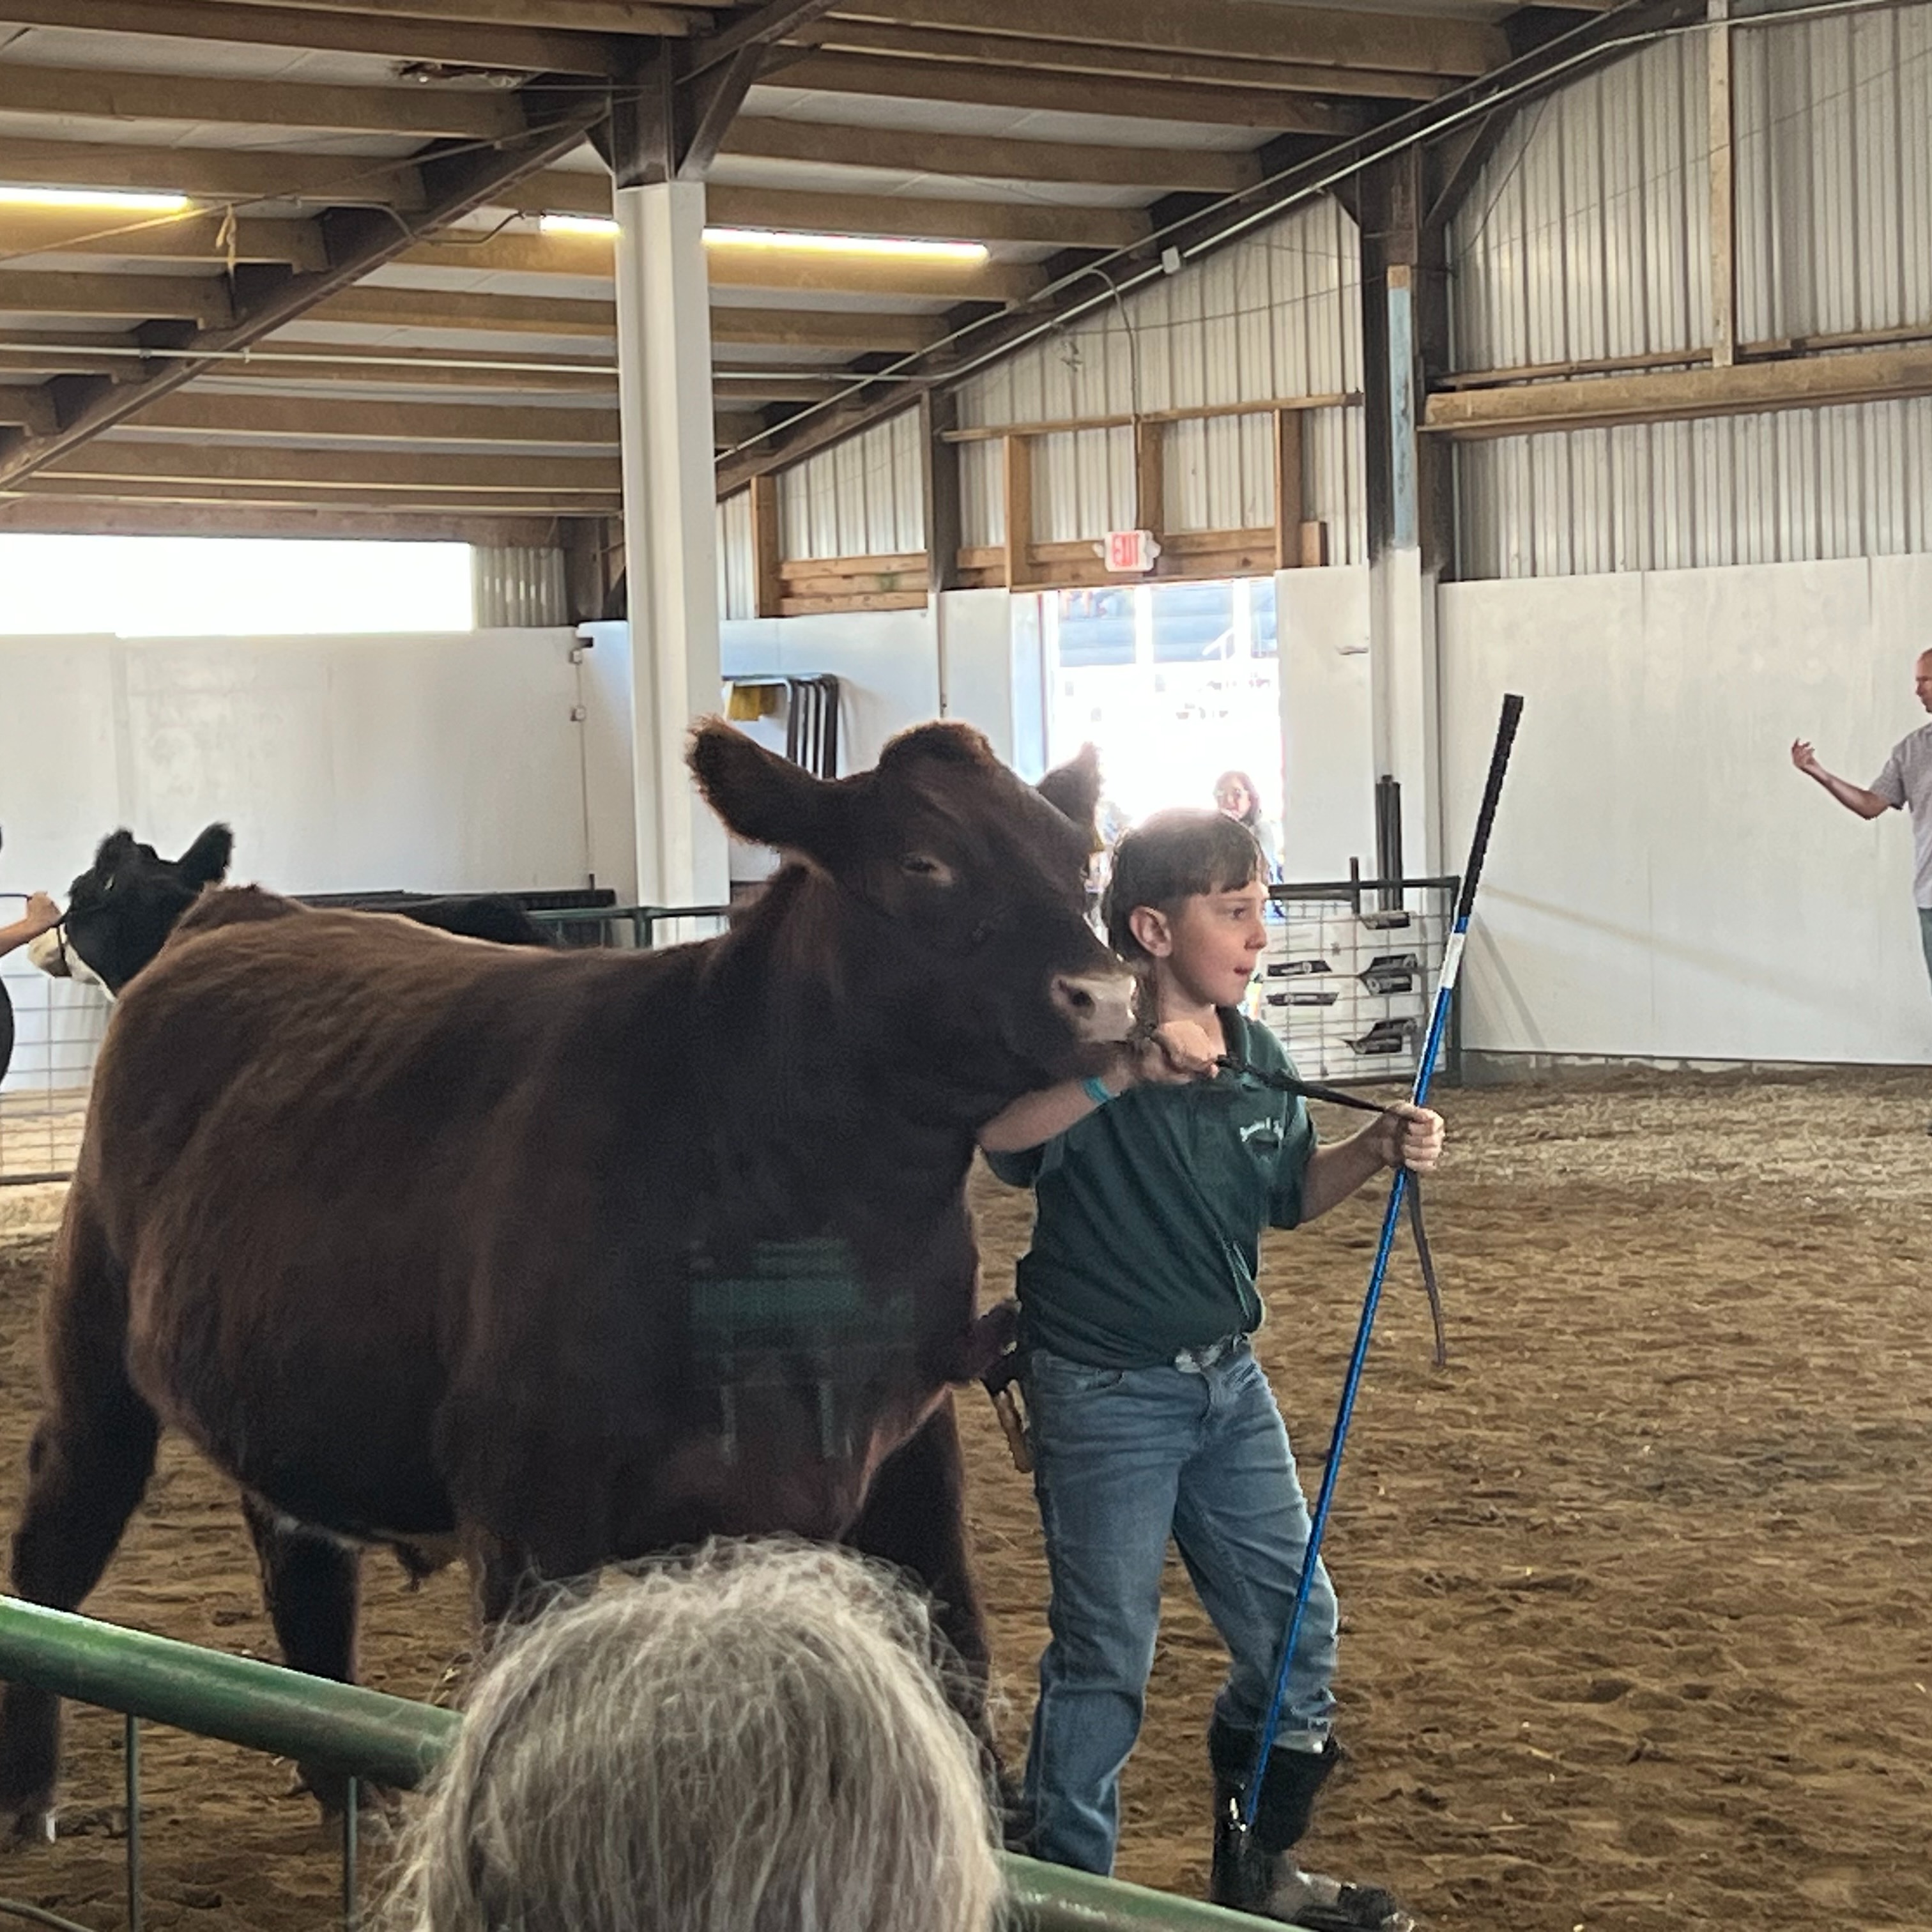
[1906, 784]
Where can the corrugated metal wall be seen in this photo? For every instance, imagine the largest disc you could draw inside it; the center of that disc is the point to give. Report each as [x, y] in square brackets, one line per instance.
[863, 497]
[1835, 174]
[516, 589]
[1585, 235]
[1801, 486]
[1588, 236]
[1277, 315]
[737, 587]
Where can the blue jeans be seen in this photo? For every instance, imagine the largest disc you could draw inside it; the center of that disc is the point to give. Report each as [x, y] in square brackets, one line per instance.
[1925, 934]
[1123, 1457]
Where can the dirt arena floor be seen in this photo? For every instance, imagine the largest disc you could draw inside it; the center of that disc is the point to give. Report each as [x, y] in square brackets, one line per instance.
[1636, 1591]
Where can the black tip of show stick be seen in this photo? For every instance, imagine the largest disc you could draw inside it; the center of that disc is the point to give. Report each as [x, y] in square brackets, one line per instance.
[1493, 789]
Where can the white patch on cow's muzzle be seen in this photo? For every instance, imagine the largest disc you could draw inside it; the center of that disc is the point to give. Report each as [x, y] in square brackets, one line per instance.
[59, 961]
[46, 952]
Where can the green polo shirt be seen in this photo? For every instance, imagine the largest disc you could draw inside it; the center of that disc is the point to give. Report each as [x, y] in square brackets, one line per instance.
[1149, 1212]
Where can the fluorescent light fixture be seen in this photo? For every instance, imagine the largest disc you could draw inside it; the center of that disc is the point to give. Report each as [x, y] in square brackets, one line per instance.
[93, 197]
[779, 242]
[782, 241]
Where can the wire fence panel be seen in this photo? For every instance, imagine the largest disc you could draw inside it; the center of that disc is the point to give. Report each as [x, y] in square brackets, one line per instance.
[57, 1028]
[1350, 974]
[58, 1024]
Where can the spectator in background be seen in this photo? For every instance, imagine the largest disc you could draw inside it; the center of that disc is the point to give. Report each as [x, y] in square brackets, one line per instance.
[1235, 795]
[751, 1741]
[1904, 785]
[42, 915]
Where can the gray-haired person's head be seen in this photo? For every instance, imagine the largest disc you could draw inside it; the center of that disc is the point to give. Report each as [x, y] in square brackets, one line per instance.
[753, 1740]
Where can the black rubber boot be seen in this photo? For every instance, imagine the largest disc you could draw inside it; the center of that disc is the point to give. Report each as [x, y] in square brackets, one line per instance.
[1254, 1870]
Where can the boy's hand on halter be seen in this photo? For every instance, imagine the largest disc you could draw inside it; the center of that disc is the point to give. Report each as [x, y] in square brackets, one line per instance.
[43, 915]
[1176, 1053]
[1407, 1136]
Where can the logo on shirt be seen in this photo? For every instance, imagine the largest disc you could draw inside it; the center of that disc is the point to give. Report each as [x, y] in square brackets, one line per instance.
[1264, 1130]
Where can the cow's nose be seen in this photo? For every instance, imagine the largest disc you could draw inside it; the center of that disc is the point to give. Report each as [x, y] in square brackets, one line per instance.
[1099, 1006]
[45, 952]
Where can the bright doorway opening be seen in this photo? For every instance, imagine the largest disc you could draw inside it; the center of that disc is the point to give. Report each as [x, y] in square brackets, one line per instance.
[1175, 683]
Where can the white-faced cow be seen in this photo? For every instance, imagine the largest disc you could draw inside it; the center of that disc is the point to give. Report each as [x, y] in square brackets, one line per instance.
[550, 1259]
[121, 910]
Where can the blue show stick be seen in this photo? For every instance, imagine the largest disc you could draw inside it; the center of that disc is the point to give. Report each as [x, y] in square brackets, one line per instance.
[1438, 1024]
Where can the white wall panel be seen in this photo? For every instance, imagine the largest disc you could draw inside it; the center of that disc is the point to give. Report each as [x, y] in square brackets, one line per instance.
[1662, 884]
[887, 663]
[432, 763]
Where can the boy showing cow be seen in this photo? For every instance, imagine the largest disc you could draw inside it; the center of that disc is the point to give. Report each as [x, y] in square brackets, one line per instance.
[1149, 1415]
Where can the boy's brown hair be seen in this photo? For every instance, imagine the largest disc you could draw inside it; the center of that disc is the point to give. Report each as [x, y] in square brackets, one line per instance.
[1177, 855]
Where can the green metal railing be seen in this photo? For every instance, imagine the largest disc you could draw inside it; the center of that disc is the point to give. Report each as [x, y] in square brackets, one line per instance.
[391, 1740]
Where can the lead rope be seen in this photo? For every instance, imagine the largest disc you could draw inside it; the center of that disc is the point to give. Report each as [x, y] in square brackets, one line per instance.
[998, 1381]
[1340, 1096]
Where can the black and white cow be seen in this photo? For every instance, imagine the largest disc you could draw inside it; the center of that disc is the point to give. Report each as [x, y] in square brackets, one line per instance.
[120, 909]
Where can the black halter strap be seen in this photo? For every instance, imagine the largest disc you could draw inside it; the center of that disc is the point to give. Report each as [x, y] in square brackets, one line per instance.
[1339, 1097]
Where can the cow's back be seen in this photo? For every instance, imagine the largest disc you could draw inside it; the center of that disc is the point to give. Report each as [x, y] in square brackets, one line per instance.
[317, 1145]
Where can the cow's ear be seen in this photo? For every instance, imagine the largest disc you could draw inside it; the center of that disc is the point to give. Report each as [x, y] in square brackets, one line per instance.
[113, 850]
[1074, 789]
[767, 799]
[205, 862]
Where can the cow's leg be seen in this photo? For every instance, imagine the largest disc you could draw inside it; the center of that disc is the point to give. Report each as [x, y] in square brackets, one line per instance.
[915, 1517]
[88, 1462]
[311, 1583]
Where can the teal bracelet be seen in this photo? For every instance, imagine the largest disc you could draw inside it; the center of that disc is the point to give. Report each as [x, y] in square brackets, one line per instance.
[1097, 1090]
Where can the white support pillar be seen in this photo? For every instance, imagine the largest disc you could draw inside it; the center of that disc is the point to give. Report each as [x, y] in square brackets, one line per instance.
[671, 531]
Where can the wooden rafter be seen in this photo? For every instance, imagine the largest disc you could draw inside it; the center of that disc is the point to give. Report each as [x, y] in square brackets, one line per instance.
[197, 298]
[190, 237]
[82, 516]
[292, 363]
[1797, 382]
[266, 418]
[527, 50]
[338, 364]
[265, 299]
[237, 176]
[919, 151]
[576, 16]
[1110, 60]
[102, 94]
[1037, 91]
[403, 497]
[117, 459]
[852, 332]
[1395, 42]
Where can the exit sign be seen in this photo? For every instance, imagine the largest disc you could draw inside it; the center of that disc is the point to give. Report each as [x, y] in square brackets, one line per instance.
[1130, 553]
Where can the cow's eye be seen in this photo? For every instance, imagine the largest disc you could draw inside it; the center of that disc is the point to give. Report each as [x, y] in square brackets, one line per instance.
[923, 865]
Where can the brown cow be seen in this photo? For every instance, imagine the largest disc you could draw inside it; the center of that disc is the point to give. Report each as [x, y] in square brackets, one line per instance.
[552, 1259]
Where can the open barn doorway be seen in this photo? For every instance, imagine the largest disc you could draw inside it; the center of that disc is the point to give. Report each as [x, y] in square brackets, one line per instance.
[1175, 683]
